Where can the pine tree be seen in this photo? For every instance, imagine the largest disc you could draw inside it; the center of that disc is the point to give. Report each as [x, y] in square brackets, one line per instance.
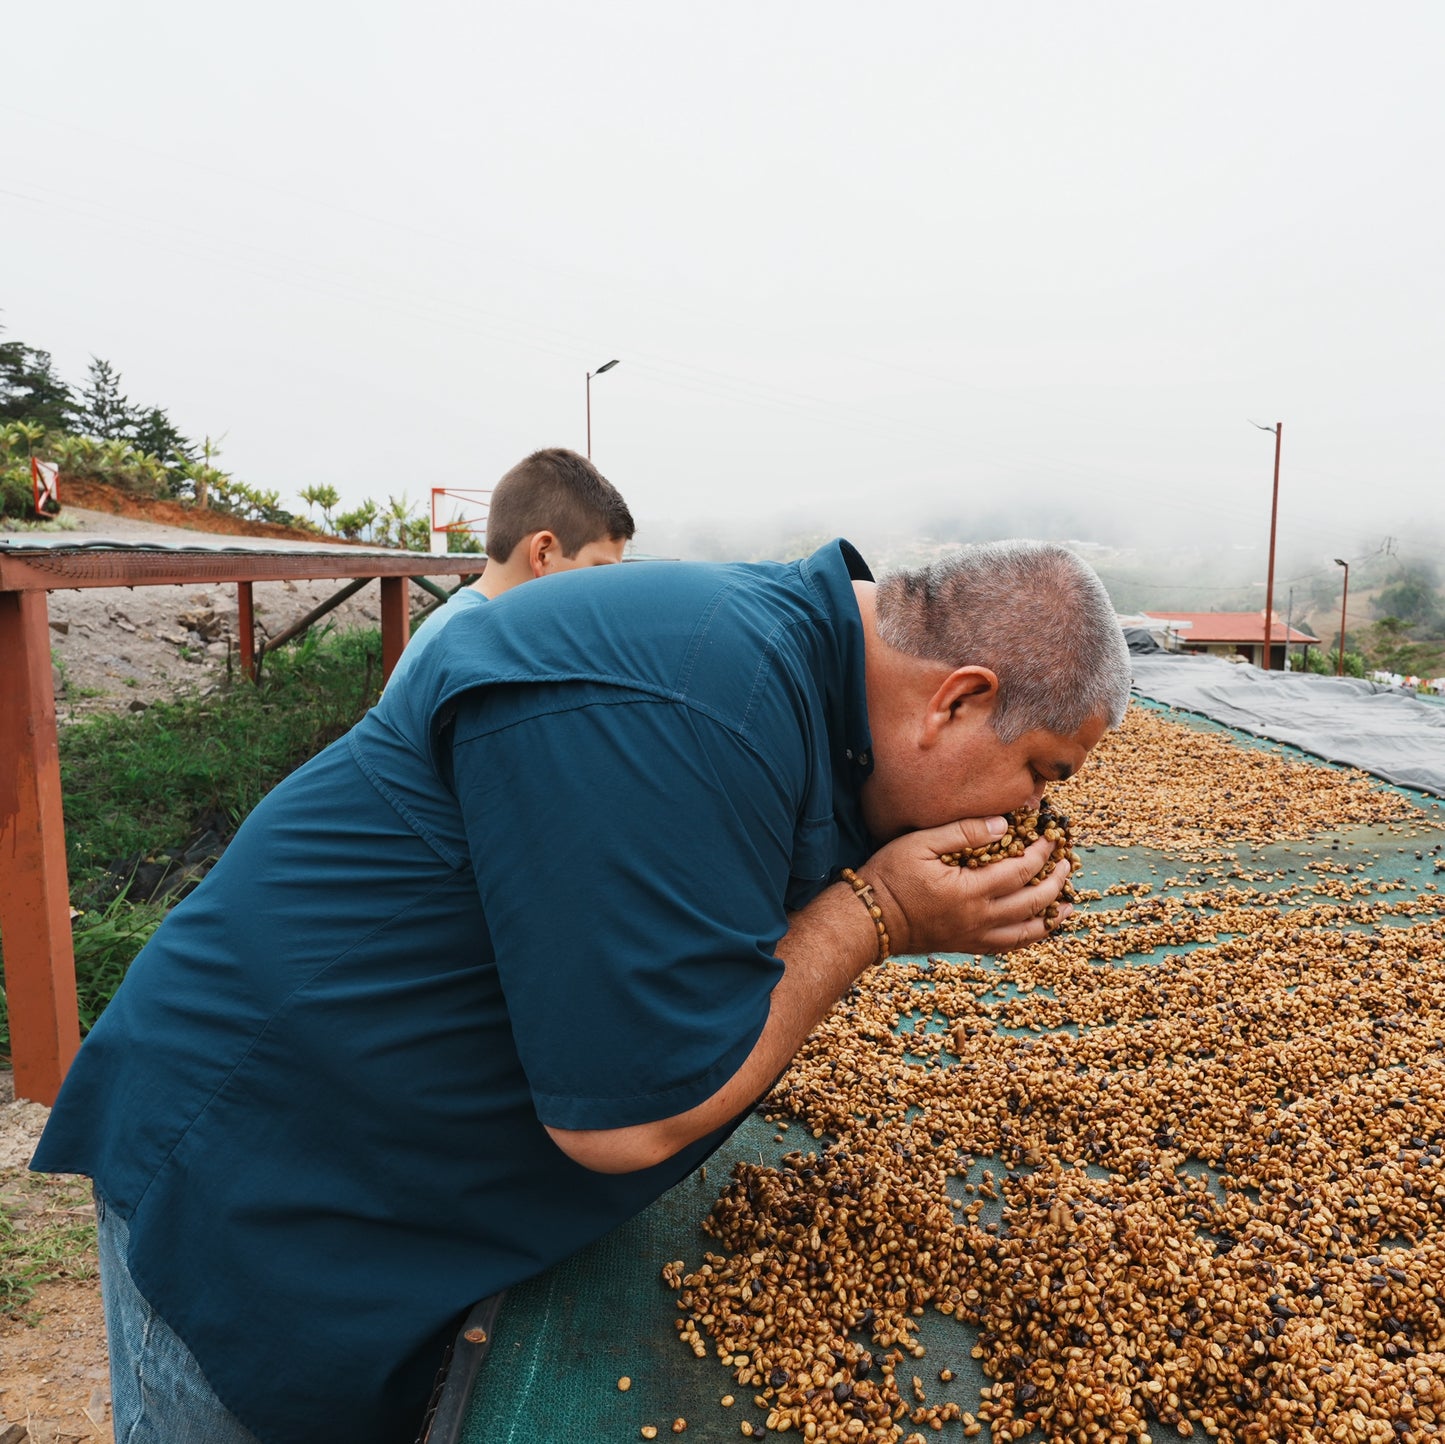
[154, 435]
[30, 390]
[106, 412]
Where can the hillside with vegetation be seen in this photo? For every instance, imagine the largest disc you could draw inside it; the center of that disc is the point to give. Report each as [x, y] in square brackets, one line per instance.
[95, 433]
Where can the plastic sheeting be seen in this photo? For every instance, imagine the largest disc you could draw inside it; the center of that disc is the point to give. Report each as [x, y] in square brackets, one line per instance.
[1385, 732]
[1141, 641]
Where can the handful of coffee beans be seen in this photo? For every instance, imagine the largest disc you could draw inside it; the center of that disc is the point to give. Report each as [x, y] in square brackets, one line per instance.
[1025, 827]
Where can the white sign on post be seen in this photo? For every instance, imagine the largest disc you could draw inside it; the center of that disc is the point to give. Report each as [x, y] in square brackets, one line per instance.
[46, 477]
[438, 533]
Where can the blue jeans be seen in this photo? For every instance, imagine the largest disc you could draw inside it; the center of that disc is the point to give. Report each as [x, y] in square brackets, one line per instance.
[158, 1393]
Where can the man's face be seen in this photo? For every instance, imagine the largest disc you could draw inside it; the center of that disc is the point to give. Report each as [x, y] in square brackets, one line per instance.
[926, 778]
[606, 552]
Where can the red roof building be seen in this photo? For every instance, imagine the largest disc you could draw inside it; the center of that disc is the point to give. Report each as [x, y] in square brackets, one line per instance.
[1229, 634]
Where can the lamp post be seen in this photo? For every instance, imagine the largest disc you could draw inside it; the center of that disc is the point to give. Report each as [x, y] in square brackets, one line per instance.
[1278, 429]
[1344, 599]
[606, 366]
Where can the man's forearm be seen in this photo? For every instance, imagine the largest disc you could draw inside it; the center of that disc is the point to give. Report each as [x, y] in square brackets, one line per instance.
[830, 942]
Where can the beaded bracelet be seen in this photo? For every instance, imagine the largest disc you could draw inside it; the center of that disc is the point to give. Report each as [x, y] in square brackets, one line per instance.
[864, 893]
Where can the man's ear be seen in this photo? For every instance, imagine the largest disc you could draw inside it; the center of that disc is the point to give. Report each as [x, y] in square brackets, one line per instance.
[543, 549]
[966, 694]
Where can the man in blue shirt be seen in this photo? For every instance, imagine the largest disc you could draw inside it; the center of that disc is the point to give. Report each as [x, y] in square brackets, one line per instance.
[514, 955]
[551, 513]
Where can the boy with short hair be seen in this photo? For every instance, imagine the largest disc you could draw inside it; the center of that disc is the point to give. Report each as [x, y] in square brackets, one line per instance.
[553, 512]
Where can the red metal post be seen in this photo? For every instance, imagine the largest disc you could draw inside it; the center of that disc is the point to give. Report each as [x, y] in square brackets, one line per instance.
[1269, 583]
[393, 623]
[35, 901]
[1344, 600]
[246, 629]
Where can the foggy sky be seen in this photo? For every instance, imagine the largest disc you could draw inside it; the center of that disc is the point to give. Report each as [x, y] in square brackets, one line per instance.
[941, 267]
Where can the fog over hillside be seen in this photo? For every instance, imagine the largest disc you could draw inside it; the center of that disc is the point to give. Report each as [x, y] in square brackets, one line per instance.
[1148, 562]
[937, 272]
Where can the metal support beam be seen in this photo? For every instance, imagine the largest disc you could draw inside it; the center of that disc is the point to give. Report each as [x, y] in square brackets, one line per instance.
[314, 615]
[431, 588]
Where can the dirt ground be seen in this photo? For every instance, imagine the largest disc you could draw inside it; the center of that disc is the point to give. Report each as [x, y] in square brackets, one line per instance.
[54, 1382]
[119, 649]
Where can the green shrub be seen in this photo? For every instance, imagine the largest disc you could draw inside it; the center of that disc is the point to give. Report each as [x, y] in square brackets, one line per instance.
[17, 492]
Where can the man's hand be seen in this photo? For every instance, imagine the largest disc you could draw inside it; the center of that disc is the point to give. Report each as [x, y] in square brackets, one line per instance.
[930, 906]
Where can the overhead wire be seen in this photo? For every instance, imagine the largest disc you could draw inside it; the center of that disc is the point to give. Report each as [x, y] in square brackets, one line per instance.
[266, 264]
[688, 377]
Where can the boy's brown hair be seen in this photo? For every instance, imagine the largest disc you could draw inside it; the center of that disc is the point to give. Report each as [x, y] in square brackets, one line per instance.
[555, 490]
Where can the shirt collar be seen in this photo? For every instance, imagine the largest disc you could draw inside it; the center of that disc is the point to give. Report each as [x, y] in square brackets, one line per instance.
[830, 573]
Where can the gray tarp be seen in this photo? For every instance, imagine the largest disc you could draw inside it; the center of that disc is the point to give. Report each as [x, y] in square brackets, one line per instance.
[1381, 730]
[1141, 639]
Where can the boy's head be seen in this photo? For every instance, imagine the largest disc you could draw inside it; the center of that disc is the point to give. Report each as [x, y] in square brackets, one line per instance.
[551, 513]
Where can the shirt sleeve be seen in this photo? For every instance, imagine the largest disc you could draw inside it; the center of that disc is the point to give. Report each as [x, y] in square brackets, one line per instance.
[632, 856]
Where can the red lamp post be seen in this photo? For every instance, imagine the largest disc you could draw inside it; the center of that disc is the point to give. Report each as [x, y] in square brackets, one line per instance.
[1278, 429]
[1344, 600]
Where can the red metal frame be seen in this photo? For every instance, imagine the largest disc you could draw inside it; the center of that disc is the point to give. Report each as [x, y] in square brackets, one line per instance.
[471, 496]
[39, 961]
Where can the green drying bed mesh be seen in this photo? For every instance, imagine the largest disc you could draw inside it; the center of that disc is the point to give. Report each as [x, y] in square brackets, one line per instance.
[563, 1340]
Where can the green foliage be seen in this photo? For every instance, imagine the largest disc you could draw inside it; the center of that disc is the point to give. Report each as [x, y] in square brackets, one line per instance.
[326, 497]
[356, 525]
[460, 542]
[1414, 596]
[105, 412]
[106, 942]
[137, 782]
[1326, 663]
[1391, 648]
[101, 437]
[30, 390]
[227, 494]
[85, 458]
[23, 436]
[17, 491]
[156, 437]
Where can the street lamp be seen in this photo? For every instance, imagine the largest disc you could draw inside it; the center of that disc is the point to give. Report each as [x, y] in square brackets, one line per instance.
[1341, 562]
[1278, 429]
[606, 366]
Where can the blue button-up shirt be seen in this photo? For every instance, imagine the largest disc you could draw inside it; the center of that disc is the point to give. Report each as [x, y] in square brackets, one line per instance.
[541, 883]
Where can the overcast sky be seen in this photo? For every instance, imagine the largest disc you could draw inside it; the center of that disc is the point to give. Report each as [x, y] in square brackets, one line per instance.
[911, 265]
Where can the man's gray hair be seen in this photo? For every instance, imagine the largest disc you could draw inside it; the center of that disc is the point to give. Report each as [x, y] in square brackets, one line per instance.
[1034, 614]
